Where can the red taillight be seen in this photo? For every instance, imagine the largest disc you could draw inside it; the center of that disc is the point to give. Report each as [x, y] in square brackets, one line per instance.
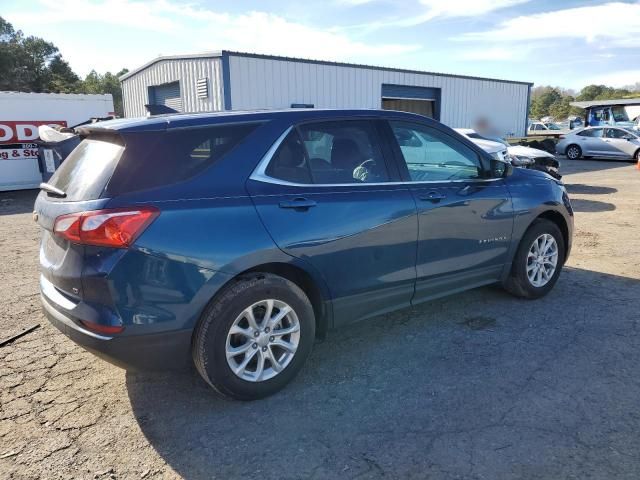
[104, 329]
[116, 228]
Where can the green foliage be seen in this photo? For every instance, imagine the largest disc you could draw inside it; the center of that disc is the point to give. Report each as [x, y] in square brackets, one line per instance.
[602, 92]
[31, 64]
[107, 83]
[543, 99]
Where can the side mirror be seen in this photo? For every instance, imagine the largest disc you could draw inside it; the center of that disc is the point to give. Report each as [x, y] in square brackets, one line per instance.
[500, 169]
[629, 137]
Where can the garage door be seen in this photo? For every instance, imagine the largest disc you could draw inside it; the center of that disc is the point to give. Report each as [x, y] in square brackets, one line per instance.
[408, 98]
[167, 95]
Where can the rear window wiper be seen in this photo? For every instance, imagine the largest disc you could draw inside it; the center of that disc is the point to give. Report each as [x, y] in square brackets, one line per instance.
[53, 191]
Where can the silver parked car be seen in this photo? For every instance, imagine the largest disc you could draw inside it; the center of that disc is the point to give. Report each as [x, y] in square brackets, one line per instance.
[606, 142]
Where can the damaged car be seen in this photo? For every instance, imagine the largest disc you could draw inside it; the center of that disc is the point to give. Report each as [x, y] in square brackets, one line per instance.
[517, 155]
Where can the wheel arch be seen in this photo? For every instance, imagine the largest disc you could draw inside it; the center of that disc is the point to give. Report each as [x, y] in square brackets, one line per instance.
[561, 223]
[319, 299]
[312, 287]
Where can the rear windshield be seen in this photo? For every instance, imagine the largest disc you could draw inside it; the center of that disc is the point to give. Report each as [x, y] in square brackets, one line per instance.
[85, 172]
[147, 160]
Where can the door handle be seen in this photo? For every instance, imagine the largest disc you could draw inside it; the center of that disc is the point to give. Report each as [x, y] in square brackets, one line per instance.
[298, 203]
[434, 197]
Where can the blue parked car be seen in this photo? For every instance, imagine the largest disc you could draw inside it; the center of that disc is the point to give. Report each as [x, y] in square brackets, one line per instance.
[236, 238]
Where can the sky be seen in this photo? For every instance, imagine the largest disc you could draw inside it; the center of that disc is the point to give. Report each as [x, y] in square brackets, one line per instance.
[562, 43]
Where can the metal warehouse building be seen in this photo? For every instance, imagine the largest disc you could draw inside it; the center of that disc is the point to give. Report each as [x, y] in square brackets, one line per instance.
[244, 81]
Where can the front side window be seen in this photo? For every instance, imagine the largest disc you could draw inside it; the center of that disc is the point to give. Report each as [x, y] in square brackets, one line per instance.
[330, 153]
[434, 156]
[616, 133]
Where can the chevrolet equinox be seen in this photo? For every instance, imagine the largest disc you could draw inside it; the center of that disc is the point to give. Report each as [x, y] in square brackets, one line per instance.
[234, 239]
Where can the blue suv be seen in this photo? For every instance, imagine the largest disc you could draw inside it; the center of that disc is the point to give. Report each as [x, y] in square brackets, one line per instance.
[236, 238]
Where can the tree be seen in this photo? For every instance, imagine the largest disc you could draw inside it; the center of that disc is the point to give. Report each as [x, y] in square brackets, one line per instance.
[562, 108]
[31, 64]
[25, 61]
[107, 83]
[62, 78]
[542, 101]
[602, 92]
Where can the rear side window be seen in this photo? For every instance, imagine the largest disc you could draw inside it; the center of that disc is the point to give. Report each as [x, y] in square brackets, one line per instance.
[330, 153]
[290, 162]
[154, 159]
[116, 165]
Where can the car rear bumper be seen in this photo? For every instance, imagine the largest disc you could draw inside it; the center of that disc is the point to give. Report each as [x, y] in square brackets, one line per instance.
[155, 351]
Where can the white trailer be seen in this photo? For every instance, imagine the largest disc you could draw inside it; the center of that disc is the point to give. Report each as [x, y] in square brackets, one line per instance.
[20, 116]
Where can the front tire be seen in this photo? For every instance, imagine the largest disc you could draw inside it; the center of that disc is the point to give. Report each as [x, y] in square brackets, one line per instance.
[255, 337]
[573, 152]
[538, 261]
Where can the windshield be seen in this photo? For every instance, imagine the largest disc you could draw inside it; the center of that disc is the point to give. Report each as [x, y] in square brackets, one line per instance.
[619, 114]
[553, 126]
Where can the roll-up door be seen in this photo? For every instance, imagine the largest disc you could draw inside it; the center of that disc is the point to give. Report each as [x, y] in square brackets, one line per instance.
[167, 95]
[408, 98]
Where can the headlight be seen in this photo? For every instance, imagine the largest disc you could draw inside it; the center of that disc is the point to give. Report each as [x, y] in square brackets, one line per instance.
[521, 161]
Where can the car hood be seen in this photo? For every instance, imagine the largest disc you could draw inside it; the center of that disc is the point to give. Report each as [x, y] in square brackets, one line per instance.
[532, 173]
[488, 146]
[522, 151]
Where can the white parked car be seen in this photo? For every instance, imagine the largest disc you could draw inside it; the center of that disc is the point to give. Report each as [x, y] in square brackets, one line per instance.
[518, 155]
[546, 129]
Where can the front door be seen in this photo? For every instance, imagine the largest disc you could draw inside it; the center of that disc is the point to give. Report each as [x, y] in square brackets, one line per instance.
[326, 196]
[617, 143]
[465, 221]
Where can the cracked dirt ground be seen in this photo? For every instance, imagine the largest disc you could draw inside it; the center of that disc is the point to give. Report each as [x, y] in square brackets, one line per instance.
[475, 386]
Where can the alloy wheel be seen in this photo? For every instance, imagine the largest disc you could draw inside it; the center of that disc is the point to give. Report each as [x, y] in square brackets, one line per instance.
[542, 260]
[262, 340]
[573, 153]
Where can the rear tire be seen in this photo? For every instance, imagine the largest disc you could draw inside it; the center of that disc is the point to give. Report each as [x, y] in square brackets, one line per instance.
[573, 152]
[531, 273]
[237, 329]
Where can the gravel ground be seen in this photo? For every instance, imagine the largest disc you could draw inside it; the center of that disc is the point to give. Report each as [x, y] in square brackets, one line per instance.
[476, 386]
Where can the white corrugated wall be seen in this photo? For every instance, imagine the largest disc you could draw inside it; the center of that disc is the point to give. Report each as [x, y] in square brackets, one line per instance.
[265, 83]
[187, 71]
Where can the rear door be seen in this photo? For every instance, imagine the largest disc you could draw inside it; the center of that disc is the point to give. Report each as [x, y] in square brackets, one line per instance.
[326, 194]
[591, 142]
[465, 220]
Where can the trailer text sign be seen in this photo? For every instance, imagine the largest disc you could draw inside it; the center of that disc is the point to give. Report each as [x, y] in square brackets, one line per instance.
[23, 131]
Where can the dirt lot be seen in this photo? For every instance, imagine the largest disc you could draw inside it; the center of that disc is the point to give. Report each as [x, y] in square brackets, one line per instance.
[476, 386]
